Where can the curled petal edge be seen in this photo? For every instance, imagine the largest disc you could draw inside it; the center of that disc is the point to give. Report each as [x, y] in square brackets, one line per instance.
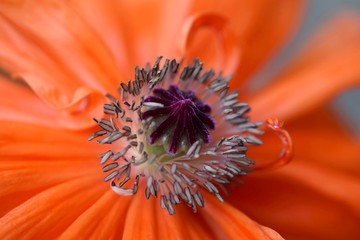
[287, 151]
[219, 24]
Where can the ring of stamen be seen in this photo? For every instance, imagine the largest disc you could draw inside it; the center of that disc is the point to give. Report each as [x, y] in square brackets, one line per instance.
[166, 136]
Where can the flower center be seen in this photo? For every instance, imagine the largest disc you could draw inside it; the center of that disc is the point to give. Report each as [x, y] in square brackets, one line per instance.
[178, 117]
[166, 137]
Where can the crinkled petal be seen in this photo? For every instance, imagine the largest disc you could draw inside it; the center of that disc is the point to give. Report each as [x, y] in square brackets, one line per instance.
[21, 141]
[180, 29]
[136, 31]
[52, 49]
[143, 220]
[34, 158]
[15, 101]
[50, 212]
[103, 220]
[233, 223]
[216, 220]
[23, 179]
[19, 103]
[328, 66]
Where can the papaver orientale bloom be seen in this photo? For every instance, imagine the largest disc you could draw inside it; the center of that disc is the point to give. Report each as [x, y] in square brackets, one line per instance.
[60, 58]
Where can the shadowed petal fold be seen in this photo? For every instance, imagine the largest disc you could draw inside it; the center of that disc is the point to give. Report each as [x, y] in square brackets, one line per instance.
[303, 201]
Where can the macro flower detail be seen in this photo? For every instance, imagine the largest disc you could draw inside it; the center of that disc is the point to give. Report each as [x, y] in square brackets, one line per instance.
[59, 60]
[164, 131]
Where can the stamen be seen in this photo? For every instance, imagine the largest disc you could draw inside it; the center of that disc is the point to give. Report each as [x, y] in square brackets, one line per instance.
[182, 132]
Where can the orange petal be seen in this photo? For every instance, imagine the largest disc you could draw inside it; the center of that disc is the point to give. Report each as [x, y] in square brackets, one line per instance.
[142, 220]
[27, 142]
[214, 30]
[18, 103]
[53, 34]
[136, 31]
[233, 223]
[22, 179]
[35, 158]
[287, 151]
[13, 107]
[319, 136]
[47, 214]
[303, 201]
[109, 24]
[51, 48]
[156, 223]
[339, 186]
[165, 28]
[328, 66]
[255, 29]
[103, 220]
[214, 221]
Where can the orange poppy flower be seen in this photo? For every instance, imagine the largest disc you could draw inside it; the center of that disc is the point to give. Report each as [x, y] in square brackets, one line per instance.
[59, 59]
